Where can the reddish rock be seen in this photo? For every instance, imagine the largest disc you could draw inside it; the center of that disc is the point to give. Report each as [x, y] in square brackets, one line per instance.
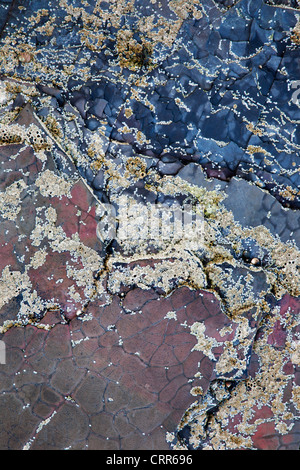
[137, 297]
[266, 437]
[28, 241]
[278, 336]
[58, 343]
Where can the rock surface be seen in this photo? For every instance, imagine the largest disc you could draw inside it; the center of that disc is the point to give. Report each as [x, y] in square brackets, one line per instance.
[149, 225]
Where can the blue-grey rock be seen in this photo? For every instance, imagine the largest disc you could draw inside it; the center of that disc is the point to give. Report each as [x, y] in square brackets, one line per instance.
[92, 124]
[169, 168]
[98, 181]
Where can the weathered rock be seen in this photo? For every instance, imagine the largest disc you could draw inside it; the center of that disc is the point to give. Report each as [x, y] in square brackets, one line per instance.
[182, 332]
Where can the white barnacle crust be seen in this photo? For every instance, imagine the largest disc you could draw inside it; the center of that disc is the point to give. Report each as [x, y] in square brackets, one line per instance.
[52, 185]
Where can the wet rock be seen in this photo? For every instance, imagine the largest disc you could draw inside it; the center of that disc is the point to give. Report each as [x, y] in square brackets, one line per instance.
[169, 168]
[238, 286]
[252, 253]
[79, 102]
[98, 107]
[92, 124]
[98, 180]
[51, 211]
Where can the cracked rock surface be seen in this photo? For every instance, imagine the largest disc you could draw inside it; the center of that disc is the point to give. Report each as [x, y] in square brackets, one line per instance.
[149, 225]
